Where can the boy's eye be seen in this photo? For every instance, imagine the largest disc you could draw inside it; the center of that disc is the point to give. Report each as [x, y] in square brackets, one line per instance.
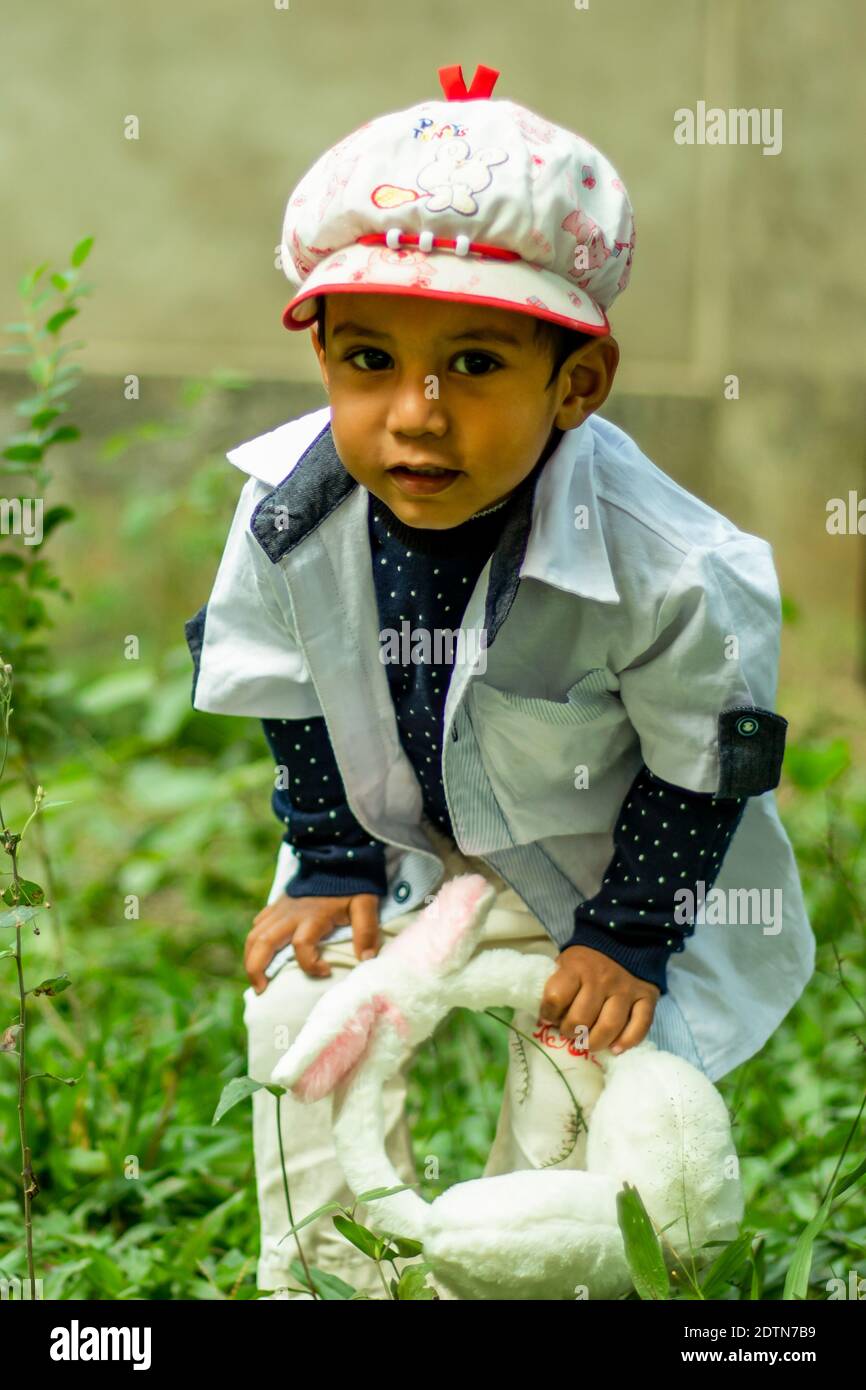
[371, 359]
[355, 356]
[478, 362]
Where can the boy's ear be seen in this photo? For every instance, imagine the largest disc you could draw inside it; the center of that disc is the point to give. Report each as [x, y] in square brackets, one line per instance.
[320, 353]
[590, 373]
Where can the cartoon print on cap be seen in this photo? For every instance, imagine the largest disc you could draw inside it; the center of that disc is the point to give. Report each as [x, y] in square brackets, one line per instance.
[456, 174]
[450, 180]
[591, 250]
[540, 242]
[382, 259]
[533, 127]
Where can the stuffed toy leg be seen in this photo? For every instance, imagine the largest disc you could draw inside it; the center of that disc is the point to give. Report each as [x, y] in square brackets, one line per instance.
[657, 1122]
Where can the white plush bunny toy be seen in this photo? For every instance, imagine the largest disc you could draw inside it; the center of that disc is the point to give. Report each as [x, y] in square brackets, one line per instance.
[655, 1122]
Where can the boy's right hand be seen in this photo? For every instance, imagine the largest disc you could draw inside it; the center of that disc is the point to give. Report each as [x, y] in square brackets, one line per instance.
[303, 922]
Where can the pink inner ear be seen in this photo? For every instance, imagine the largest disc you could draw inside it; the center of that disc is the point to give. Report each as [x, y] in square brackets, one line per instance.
[335, 1060]
[433, 940]
[343, 1052]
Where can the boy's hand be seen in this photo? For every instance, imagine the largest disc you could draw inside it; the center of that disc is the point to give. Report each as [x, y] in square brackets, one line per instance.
[303, 922]
[588, 988]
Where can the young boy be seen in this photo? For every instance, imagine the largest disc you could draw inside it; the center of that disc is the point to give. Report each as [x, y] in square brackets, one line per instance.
[601, 745]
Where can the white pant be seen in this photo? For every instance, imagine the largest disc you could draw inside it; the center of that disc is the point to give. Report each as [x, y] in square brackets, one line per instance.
[534, 1118]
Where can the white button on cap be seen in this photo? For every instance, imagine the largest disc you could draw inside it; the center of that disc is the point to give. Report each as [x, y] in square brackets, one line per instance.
[462, 246]
[392, 237]
[425, 241]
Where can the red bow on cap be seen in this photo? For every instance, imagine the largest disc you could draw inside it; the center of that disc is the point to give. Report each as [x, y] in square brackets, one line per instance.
[454, 87]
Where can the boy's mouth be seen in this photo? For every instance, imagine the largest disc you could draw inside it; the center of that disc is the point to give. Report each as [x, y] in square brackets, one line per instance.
[422, 478]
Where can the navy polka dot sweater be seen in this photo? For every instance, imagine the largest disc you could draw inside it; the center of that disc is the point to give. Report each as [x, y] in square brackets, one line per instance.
[665, 838]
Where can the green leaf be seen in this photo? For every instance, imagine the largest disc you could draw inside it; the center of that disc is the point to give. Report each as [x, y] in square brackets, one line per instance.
[70, 371]
[31, 405]
[16, 327]
[800, 1269]
[236, 1090]
[56, 985]
[359, 1236]
[844, 1183]
[59, 281]
[376, 1193]
[405, 1247]
[312, 1216]
[62, 435]
[27, 283]
[790, 609]
[56, 322]
[107, 1274]
[23, 453]
[724, 1270]
[54, 516]
[328, 1286]
[30, 893]
[44, 417]
[90, 1162]
[413, 1285]
[797, 1278]
[40, 371]
[817, 766]
[116, 691]
[18, 916]
[646, 1260]
[205, 1231]
[81, 251]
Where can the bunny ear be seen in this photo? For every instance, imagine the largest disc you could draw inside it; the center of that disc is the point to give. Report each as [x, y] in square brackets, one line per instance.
[338, 1056]
[322, 1056]
[444, 935]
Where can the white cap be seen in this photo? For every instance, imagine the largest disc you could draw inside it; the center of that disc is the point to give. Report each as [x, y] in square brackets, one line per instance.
[465, 199]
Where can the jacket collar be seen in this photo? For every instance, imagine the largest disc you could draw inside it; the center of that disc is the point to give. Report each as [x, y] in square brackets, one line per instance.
[553, 534]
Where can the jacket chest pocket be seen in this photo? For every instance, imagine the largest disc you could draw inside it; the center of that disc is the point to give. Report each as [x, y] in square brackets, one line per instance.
[555, 767]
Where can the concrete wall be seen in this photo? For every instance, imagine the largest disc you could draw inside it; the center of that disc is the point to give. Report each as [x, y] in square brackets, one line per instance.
[745, 264]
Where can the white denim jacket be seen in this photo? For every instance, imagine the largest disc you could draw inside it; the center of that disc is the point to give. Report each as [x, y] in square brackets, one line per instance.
[626, 621]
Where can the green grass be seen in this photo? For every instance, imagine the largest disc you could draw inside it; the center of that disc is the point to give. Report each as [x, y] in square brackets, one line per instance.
[140, 1196]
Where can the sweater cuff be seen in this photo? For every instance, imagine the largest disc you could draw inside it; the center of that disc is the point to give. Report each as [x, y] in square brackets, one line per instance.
[646, 962]
[330, 886]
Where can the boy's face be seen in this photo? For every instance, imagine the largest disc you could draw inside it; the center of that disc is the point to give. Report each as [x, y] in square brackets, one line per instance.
[461, 386]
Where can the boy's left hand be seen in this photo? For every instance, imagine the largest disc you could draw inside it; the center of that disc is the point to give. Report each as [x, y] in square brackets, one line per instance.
[590, 990]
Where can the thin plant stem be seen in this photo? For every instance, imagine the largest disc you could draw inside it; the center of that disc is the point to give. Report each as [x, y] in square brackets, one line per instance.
[301, 1254]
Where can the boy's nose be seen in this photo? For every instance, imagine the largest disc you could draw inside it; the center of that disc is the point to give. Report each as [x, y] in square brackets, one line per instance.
[415, 408]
